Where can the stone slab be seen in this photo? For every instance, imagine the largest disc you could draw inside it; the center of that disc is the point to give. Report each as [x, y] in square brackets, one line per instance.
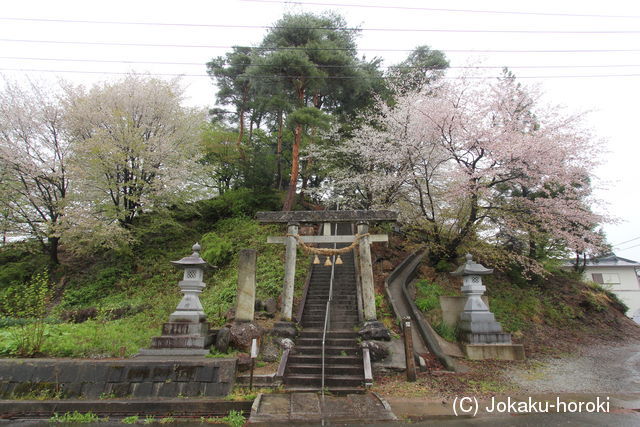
[246, 297]
[326, 216]
[494, 351]
[302, 408]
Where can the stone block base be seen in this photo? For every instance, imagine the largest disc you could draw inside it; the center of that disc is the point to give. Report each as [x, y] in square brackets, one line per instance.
[181, 341]
[178, 337]
[485, 338]
[494, 351]
[185, 328]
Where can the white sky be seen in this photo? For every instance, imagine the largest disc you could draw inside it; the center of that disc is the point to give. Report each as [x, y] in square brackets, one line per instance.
[612, 99]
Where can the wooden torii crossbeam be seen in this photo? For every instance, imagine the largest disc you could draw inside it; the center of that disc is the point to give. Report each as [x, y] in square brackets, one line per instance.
[361, 217]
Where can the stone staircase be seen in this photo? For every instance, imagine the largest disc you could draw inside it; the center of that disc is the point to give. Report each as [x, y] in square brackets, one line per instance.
[344, 370]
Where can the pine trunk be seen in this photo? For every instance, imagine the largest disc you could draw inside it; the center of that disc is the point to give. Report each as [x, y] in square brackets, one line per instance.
[295, 167]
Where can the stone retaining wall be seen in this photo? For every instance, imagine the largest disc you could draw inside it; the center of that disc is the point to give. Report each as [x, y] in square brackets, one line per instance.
[116, 378]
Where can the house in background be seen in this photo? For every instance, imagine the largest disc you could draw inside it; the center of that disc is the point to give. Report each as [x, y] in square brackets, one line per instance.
[620, 275]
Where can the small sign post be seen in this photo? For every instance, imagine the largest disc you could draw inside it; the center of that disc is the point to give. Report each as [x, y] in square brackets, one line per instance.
[254, 354]
[408, 349]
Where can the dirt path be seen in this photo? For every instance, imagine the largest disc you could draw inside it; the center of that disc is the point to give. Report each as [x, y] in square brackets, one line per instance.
[599, 369]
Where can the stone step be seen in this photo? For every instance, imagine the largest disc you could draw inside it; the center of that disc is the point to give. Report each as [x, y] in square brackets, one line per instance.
[332, 320]
[337, 390]
[329, 380]
[336, 295]
[339, 308]
[339, 315]
[341, 342]
[311, 333]
[332, 325]
[332, 349]
[329, 359]
[341, 301]
[342, 310]
[312, 368]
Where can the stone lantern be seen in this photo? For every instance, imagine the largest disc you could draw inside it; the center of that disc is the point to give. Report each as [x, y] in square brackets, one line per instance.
[477, 324]
[190, 309]
[187, 331]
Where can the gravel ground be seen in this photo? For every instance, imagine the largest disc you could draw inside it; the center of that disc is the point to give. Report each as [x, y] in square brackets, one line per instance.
[599, 369]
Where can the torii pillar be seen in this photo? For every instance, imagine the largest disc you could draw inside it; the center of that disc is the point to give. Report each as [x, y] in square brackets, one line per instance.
[289, 270]
[366, 274]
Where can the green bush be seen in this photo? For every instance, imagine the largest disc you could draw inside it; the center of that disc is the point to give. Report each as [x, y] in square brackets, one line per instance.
[236, 203]
[133, 419]
[428, 295]
[234, 418]
[427, 303]
[92, 289]
[216, 250]
[29, 302]
[447, 332]
[443, 266]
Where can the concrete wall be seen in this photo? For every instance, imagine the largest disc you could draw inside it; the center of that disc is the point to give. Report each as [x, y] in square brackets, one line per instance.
[452, 307]
[117, 378]
[628, 290]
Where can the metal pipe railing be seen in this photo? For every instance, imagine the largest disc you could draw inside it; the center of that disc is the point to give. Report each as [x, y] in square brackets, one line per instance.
[327, 316]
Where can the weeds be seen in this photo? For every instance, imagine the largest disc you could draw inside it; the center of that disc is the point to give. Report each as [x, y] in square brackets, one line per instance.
[75, 417]
[234, 419]
[447, 332]
[30, 303]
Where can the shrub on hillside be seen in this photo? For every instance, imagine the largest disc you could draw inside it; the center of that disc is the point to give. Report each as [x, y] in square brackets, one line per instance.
[216, 250]
[240, 202]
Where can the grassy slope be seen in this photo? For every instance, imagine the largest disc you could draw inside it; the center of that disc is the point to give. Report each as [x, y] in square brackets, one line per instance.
[141, 288]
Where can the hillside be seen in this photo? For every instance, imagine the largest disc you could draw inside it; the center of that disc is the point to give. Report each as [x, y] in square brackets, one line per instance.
[558, 305]
[111, 303]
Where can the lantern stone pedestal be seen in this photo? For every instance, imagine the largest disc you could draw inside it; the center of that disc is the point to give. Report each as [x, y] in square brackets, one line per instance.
[481, 334]
[187, 331]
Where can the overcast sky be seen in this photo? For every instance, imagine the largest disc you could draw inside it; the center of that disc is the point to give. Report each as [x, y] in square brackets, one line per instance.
[584, 54]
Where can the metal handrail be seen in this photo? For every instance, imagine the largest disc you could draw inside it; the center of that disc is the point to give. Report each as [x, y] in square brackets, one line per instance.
[327, 315]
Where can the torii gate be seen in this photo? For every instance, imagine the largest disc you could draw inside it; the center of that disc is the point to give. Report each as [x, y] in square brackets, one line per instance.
[361, 217]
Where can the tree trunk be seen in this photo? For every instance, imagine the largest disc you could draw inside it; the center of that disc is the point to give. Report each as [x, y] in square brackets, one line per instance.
[241, 135]
[54, 243]
[295, 166]
[295, 156]
[279, 153]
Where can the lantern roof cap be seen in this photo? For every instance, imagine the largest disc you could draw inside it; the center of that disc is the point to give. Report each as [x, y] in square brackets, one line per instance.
[471, 268]
[192, 260]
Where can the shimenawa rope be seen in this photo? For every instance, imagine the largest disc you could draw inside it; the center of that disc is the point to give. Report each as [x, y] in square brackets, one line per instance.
[328, 251]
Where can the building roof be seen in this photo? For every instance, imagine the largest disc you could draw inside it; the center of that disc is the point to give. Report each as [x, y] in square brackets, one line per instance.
[611, 260]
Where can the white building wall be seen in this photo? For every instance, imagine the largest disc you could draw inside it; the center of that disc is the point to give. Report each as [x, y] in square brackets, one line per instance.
[628, 290]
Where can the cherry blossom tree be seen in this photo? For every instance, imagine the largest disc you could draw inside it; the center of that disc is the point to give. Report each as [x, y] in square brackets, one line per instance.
[468, 158]
[135, 145]
[34, 176]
